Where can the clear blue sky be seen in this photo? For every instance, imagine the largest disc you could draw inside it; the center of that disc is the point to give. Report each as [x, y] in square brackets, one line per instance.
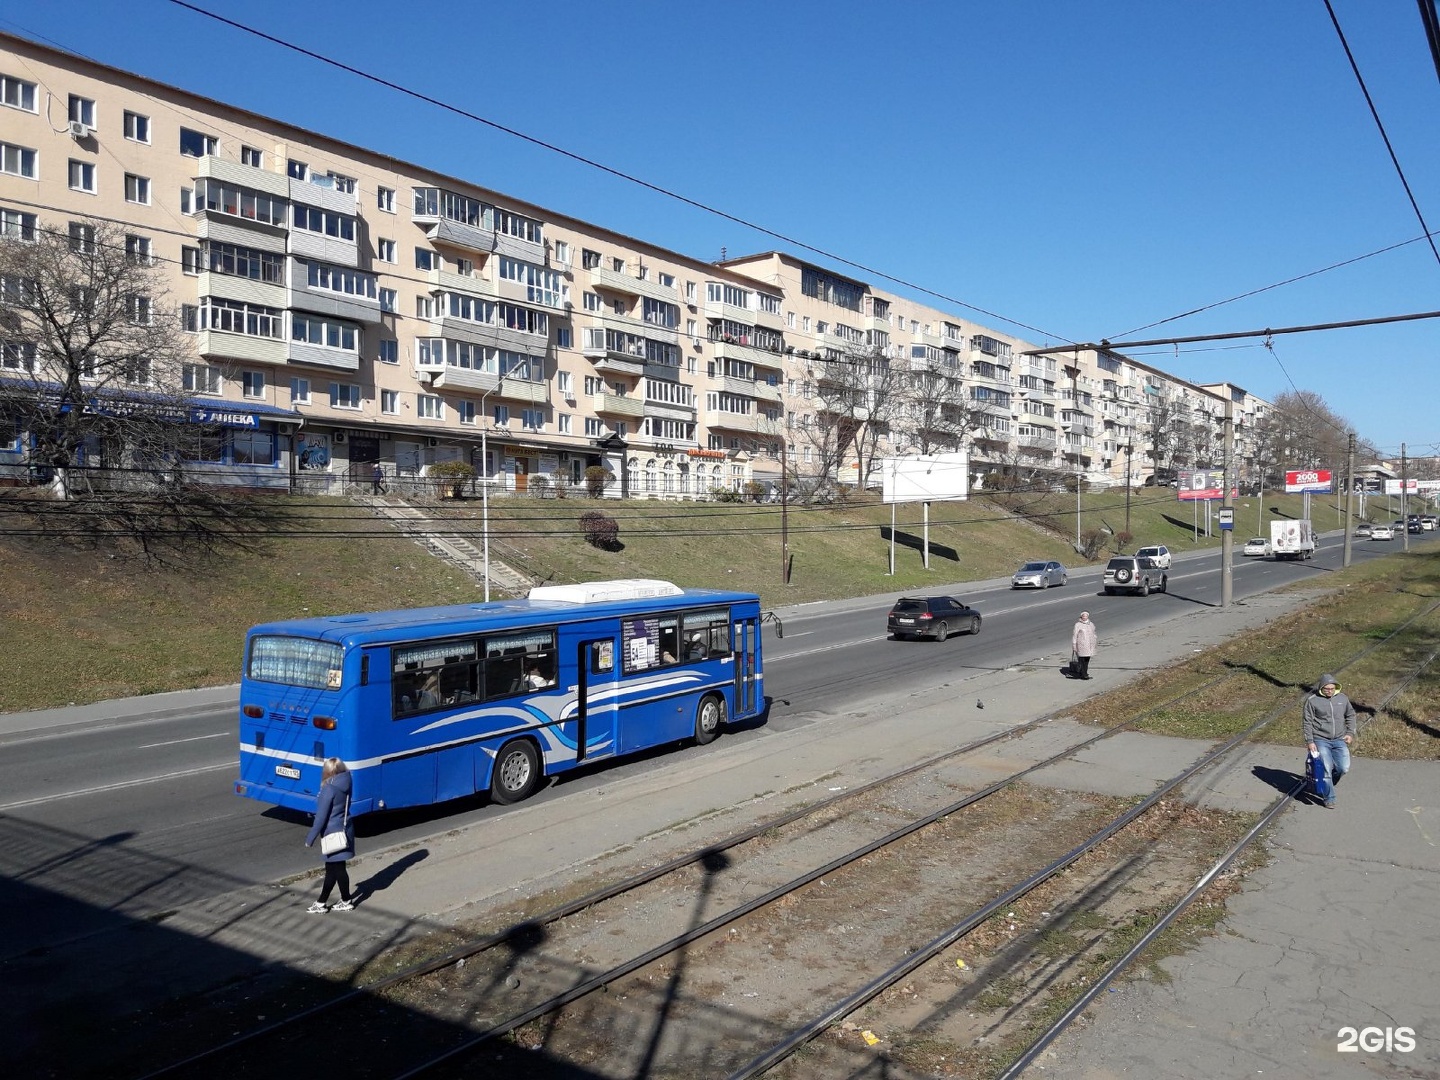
[1083, 169]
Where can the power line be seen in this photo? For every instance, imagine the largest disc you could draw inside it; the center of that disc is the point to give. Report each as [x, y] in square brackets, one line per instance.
[608, 169]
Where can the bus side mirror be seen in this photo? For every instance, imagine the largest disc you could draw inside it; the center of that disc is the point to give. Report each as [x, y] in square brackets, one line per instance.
[771, 617]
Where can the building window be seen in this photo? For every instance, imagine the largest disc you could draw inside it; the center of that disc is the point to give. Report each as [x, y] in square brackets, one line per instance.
[424, 307]
[594, 384]
[82, 111]
[234, 317]
[137, 371]
[316, 330]
[82, 238]
[190, 318]
[591, 301]
[617, 264]
[187, 200]
[563, 338]
[429, 407]
[326, 222]
[425, 259]
[249, 155]
[201, 379]
[299, 391]
[389, 351]
[137, 127]
[297, 170]
[339, 182]
[17, 224]
[388, 298]
[589, 260]
[139, 310]
[196, 143]
[344, 396]
[385, 250]
[562, 253]
[253, 383]
[562, 423]
[17, 160]
[668, 280]
[592, 425]
[465, 411]
[389, 402]
[17, 93]
[565, 384]
[17, 355]
[385, 199]
[137, 251]
[502, 415]
[82, 176]
[532, 419]
[137, 189]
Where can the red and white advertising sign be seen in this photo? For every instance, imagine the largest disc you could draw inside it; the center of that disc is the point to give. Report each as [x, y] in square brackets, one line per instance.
[1392, 487]
[1200, 484]
[1315, 481]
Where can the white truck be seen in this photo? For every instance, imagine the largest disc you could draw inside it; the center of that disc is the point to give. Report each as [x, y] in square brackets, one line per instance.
[1292, 540]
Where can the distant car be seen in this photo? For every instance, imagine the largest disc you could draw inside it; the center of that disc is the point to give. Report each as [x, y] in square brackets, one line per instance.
[932, 616]
[1158, 552]
[1256, 545]
[1039, 575]
[1362, 531]
[1415, 527]
[1428, 522]
[1132, 573]
[1382, 532]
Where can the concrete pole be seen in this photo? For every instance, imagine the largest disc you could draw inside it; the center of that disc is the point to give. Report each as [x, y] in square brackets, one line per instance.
[1349, 494]
[1227, 536]
[485, 491]
[1404, 483]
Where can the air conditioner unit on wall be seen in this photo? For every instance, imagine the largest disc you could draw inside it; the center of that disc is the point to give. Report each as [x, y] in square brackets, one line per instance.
[80, 130]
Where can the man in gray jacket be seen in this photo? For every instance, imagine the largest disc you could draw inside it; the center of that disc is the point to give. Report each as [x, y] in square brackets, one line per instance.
[1327, 722]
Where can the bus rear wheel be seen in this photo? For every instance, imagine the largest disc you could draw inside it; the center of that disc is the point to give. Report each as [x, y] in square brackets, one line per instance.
[517, 772]
[708, 717]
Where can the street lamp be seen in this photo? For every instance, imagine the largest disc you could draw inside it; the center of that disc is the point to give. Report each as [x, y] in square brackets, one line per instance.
[485, 489]
[1073, 428]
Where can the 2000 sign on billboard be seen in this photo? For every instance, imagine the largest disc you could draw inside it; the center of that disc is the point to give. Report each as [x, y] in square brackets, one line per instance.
[1315, 481]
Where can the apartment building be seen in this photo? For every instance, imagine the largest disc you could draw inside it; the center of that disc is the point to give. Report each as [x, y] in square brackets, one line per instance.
[347, 309]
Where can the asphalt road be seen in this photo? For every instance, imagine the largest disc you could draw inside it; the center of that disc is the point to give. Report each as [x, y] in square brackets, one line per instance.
[157, 790]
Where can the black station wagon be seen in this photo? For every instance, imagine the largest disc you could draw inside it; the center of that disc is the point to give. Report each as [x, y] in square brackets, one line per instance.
[932, 616]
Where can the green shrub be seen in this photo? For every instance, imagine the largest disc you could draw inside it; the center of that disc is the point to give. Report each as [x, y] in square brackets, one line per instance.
[596, 477]
[600, 530]
[455, 474]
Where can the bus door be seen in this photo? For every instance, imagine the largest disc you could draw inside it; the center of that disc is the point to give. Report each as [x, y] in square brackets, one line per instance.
[592, 655]
[747, 664]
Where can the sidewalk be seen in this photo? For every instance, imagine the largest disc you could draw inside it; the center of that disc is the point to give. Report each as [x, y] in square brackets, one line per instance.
[1372, 863]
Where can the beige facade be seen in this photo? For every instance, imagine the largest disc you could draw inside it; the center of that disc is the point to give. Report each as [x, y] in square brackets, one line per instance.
[362, 309]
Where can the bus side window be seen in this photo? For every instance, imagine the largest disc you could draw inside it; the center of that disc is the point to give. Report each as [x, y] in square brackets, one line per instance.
[669, 640]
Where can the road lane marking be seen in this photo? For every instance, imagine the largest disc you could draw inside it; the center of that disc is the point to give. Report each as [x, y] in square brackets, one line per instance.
[177, 742]
[117, 787]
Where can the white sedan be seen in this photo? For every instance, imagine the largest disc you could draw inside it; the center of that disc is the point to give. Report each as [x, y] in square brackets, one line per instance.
[1256, 546]
[1382, 532]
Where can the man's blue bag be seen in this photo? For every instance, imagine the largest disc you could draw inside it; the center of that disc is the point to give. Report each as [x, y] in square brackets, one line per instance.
[1319, 775]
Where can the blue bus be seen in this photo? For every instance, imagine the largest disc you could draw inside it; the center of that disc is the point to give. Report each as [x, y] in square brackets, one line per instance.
[437, 703]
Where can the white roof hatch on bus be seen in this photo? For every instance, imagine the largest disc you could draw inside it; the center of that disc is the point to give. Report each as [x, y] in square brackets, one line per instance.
[599, 592]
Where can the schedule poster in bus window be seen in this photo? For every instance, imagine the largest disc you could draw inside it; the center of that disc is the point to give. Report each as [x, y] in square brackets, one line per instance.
[649, 642]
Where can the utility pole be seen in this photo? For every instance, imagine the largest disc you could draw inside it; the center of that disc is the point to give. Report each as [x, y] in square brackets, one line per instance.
[1129, 455]
[1404, 483]
[784, 517]
[1349, 493]
[1227, 535]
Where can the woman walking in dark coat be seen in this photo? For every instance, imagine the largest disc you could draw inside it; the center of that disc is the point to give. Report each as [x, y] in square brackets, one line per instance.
[332, 815]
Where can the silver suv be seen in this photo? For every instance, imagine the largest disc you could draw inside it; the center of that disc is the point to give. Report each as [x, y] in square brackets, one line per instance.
[1135, 574]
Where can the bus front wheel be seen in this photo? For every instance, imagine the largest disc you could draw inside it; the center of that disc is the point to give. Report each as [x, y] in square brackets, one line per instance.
[517, 771]
[708, 718]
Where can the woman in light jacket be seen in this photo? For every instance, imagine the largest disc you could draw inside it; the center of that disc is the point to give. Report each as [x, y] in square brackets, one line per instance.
[1083, 642]
[332, 815]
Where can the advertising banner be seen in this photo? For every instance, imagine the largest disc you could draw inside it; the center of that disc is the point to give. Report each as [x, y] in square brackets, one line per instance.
[1315, 481]
[1392, 487]
[1200, 484]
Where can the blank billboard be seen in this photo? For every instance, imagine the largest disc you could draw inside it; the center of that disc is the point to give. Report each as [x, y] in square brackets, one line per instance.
[926, 478]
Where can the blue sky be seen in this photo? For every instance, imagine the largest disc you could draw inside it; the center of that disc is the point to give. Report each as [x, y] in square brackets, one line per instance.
[1081, 169]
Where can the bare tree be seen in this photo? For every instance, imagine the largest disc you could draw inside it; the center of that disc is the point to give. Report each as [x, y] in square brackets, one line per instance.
[92, 373]
[854, 401]
[936, 410]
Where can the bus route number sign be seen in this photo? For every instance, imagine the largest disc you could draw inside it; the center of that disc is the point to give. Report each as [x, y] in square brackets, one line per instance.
[1227, 517]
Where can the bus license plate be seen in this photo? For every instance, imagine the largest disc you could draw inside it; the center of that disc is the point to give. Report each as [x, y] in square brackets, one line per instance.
[287, 771]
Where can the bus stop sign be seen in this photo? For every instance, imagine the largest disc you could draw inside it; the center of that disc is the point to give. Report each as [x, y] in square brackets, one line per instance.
[1227, 517]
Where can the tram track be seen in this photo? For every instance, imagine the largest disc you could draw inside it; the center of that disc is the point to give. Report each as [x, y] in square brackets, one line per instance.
[518, 939]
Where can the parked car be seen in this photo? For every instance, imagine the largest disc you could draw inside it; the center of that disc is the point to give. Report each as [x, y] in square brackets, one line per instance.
[1382, 532]
[1039, 575]
[1159, 552]
[1256, 545]
[1132, 573]
[932, 616]
[1362, 531]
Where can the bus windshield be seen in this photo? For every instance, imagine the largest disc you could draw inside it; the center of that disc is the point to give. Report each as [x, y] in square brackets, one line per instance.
[314, 665]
